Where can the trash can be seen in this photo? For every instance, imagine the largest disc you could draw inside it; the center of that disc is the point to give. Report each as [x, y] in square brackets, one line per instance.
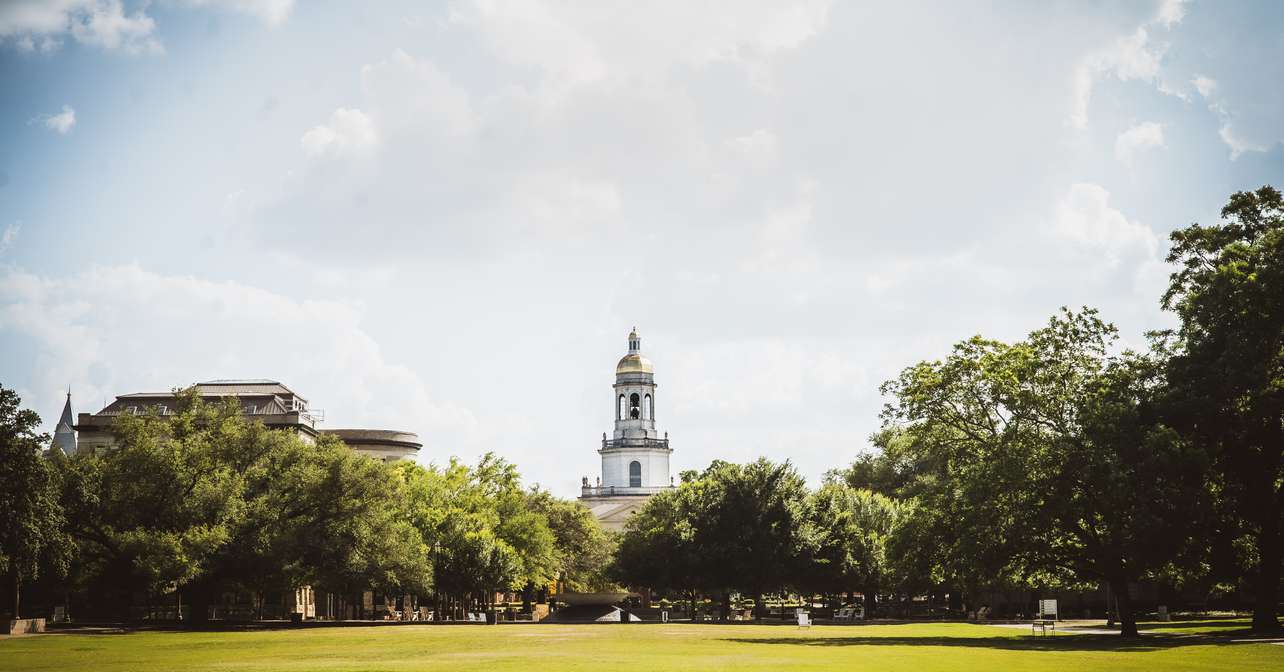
[296, 618]
[490, 617]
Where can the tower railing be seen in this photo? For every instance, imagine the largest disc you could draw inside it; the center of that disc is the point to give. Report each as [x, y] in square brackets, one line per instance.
[620, 491]
[609, 444]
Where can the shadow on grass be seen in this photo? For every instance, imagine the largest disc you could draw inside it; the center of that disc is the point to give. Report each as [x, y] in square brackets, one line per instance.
[1177, 626]
[1061, 643]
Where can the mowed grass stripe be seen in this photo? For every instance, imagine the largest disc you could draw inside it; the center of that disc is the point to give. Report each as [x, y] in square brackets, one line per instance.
[684, 647]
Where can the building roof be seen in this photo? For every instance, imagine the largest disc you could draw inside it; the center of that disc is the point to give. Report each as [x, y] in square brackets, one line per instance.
[249, 386]
[377, 437]
[634, 364]
[65, 433]
[226, 388]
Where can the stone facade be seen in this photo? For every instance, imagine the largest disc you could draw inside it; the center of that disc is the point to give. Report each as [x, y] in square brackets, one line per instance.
[635, 460]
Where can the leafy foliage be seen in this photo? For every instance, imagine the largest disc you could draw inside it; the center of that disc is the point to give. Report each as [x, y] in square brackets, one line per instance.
[31, 517]
[1227, 370]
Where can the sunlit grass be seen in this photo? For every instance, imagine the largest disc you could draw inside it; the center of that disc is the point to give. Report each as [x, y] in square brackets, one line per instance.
[685, 647]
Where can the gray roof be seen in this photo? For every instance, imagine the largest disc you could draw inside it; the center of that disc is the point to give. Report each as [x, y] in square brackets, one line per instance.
[243, 387]
[64, 434]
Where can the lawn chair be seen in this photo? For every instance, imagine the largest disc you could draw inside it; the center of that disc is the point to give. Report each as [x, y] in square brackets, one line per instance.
[804, 619]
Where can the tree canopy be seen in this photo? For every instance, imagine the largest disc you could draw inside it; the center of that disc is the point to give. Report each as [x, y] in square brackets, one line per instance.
[32, 522]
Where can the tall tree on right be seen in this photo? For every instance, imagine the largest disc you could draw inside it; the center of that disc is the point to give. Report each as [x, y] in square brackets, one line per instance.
[1228, 367]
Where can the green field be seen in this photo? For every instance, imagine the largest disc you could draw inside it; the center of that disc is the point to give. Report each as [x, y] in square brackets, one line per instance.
[685, 647]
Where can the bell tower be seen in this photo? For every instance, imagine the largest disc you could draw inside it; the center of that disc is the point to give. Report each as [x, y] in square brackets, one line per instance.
[635, 459]
[634, 393]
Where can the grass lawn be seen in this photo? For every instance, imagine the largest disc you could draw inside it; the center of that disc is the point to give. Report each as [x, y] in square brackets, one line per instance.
[684, 647]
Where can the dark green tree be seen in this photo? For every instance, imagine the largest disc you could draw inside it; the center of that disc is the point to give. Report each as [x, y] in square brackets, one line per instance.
[950, 429]
[150, 513]
[583, 549]
[32, 534]
[1053, 465]
[854, 529]
[1118, 495]
[750, 528]
[201, 501]
[1228, 368]
[657, 548]
[478, 530]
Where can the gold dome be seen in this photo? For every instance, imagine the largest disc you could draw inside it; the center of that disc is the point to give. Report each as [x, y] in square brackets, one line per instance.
[634, 364]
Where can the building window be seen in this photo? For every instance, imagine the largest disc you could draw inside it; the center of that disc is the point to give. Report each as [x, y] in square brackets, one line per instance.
[635, 474]
[619, 412]
[634, 410]
[646, 408]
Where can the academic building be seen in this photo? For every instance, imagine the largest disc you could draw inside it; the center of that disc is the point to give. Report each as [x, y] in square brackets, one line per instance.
[277, 407]
[266, 401]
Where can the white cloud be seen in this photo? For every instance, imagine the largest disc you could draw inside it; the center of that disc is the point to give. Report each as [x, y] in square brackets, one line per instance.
[1143, 136]
[1170, 12]
[10, 236]
[271, 12]
[112, 330]
[61, 123]
[42, 25]
[759, 148]
[1204, 85]
[627, 44]
[99, 23]
[1084, 217]
[1131, 57]
[561, 204]
[350, 132]
[405, 93]
[781, 240]
[1237, 143]
[738, 378]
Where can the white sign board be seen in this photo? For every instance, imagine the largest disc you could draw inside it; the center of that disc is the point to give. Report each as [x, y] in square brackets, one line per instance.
[1048, 609]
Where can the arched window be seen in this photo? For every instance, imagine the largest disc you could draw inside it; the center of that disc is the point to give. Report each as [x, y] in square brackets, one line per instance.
[621, 411]
[634, 407]
[646, 408]
[635, 474]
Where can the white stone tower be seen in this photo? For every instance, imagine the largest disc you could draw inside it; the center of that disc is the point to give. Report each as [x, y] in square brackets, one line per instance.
[635, 460]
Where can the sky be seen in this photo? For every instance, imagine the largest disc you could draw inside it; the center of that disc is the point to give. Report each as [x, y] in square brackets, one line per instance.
[446, 217]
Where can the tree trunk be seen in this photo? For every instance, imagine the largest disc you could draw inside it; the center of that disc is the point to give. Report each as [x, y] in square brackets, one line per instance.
[726, 605]
[198, 604]
[871, 602]
[17, 588]
[1123, 602]
[758, 606]
[1267, 585]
